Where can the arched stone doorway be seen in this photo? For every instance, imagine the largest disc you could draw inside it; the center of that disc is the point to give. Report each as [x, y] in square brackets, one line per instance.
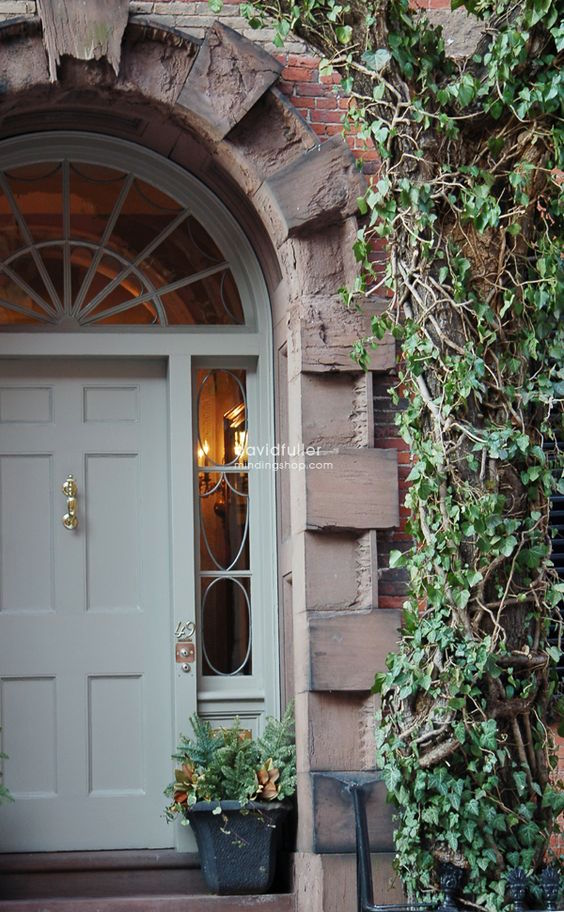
[214, 110]
[110, 250]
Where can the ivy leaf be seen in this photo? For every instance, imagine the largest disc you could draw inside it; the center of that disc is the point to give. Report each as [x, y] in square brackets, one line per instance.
[397, 559]
[537, 11]
[379, 679]
[215, 6]
[343, 33]
[554, 653]
[508, 545]
[376, 60]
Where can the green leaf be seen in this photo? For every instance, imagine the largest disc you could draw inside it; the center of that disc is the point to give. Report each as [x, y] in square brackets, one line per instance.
[343, 34]
[397, 559]
[554, 653]
[508, 545]
[379, 679]
[376, 60]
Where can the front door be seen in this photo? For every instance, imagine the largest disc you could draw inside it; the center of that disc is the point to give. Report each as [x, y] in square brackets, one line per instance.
[85, 615]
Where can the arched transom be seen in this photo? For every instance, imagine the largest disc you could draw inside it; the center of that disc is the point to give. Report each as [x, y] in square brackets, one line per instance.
[88, 245]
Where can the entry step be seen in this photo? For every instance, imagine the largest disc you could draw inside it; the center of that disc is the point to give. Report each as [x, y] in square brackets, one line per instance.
[269, 903]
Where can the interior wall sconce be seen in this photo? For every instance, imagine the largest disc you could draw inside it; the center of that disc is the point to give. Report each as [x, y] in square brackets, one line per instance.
[204, 478]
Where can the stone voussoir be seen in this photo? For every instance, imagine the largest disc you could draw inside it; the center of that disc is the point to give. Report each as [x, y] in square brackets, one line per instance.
[229, 76]
[319, 188]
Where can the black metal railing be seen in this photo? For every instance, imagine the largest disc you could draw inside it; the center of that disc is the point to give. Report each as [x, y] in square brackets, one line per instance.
[451, 877]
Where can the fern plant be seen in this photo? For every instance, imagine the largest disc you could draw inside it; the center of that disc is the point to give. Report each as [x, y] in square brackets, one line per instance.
[229, 765]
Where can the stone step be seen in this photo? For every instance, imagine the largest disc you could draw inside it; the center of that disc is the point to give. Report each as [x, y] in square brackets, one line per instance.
[270, 903]
[44, 875]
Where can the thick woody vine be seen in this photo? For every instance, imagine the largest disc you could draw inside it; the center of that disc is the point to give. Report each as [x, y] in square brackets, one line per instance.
[469, 202]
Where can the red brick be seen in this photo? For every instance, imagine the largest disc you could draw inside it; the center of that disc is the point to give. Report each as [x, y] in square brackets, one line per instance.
[286, 87]
[333, 79]
[303, 61]
[317, 90]
[328, 102]
[326, 117]
[298, 74]
[303, 102]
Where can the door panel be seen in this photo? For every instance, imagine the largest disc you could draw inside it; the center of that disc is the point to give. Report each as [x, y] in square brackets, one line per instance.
[86, 639]
[112, 492]
[26, 533]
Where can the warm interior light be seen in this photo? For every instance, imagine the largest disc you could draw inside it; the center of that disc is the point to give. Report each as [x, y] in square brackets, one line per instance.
[236, 415]
[203, 451]
[240, 445]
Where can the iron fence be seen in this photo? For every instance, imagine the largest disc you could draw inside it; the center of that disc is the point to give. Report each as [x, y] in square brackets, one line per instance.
[451, 877]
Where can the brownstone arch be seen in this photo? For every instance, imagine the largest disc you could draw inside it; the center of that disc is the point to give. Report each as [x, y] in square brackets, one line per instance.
[213, 108]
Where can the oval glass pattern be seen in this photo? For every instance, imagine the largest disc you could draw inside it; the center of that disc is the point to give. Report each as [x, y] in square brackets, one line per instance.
[226, 627]
[222, 417]
[224, 522]
[90, 245]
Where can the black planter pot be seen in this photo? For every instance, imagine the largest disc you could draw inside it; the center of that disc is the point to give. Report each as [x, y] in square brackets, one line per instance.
[238, 847]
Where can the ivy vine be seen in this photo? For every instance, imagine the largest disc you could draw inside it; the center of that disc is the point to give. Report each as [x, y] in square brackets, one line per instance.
[469, 201]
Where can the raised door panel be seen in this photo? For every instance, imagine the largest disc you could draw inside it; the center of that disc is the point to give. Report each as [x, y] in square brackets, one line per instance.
[26, 533]
[113, 504]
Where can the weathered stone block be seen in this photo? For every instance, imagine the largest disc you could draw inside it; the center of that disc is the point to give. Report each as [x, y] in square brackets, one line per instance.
[322, 262]
[332, 731]
[328, 410]
[461, 31]
[270, 135]
[318, 189]
[327, 331]
[344, 650]
[229, 76]
[330, 571]
[155, 68]
[327, 883]
[356, 489]
[23, 63]
[326, 818]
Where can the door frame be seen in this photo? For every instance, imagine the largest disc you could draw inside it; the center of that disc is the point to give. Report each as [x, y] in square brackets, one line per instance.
[185, 348]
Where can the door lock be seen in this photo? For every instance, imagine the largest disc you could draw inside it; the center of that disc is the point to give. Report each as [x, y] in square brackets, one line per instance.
[185, 652]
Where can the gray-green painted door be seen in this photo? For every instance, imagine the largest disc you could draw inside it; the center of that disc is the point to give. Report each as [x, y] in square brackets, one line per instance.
[85, 621]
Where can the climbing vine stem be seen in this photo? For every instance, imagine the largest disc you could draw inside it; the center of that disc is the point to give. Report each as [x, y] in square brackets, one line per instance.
[468, 201]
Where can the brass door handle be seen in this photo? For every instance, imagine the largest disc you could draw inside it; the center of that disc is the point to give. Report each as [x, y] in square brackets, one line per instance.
[70, 490]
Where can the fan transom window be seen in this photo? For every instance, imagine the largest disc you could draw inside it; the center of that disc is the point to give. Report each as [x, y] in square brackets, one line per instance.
[86, 245]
